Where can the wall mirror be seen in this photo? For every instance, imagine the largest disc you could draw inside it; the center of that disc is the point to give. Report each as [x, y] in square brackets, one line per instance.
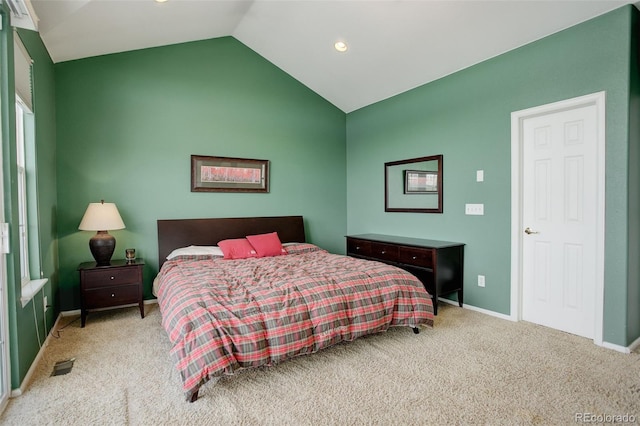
[413, 185]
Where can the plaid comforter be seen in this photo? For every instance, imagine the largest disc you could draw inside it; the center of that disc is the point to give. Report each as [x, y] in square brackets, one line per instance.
[222, 315]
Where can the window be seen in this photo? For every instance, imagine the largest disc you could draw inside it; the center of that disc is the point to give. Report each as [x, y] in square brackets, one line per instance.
[26, 167]
[23, 225]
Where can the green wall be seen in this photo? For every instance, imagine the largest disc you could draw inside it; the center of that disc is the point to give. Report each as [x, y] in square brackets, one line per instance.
[466, 117]
[28, 326]
[127, 124]
[633, 298]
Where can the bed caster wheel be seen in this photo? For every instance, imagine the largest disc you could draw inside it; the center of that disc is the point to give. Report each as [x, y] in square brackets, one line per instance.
[416, 330]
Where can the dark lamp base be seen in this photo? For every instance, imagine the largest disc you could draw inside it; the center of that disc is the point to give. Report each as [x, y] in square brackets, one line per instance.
[102, 246]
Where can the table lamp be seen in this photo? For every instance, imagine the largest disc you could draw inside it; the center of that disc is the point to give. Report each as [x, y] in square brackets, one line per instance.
[101, 217]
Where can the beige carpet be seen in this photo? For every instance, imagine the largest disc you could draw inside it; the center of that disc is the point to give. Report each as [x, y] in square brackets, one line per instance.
[470, 369]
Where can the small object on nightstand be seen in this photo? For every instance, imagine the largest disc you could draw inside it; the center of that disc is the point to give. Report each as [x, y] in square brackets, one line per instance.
[130, 255]
[110, 286]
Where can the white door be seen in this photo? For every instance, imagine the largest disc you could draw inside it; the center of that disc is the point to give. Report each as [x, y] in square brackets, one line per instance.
[559, 218]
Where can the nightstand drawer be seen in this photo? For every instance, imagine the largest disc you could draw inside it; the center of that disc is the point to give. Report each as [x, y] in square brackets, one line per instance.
[416, 256]
[112, 276]
[111, 296]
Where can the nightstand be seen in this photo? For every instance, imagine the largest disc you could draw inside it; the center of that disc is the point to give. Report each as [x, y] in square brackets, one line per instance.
[114, 285]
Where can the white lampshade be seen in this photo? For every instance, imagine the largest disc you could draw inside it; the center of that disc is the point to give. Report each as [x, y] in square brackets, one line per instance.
[101, 217]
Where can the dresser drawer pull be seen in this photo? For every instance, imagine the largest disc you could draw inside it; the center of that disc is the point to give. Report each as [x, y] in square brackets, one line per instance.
[382, 252]
[112, 277]
[414, 258]
[113, 295]
[357, 247]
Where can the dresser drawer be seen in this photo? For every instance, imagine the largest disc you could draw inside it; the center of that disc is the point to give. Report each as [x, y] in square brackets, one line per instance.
[384, 251]
[112, 276]
[111, 296]
[416, 256]
[358, 247]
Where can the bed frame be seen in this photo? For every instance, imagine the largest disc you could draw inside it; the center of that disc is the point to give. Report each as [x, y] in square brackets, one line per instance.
[176, 233]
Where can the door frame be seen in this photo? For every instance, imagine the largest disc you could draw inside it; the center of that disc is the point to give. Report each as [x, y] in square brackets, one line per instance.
[517, 139]
[5, 368]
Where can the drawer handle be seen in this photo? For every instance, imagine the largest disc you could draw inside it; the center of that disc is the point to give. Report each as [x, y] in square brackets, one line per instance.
[113, 295]
[382, 252]
[358, 248]
[112, 277]
[414, 257]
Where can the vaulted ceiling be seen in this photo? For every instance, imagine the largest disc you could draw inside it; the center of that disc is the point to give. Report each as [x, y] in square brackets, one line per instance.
[393, 45]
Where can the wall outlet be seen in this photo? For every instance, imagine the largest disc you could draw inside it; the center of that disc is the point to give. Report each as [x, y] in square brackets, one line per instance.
[45, 304]
[474, 209]
[480, 280]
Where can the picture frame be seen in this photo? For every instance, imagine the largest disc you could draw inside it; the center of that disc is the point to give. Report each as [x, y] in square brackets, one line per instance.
[420, 182]
[227, 174]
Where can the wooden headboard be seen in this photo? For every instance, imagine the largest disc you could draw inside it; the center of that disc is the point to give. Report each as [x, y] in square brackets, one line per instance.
[176, 233]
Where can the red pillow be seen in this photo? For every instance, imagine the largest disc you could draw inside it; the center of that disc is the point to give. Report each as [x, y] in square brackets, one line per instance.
[267, 244]
[239, 248]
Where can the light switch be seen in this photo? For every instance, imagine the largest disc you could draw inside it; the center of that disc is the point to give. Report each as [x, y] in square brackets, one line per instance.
[480, 176]
[474, 209]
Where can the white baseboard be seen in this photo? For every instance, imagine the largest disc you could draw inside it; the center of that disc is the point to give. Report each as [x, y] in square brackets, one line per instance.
[624, 349]
[616, 348]
[27, 378]
[77, 311]
[475, 308]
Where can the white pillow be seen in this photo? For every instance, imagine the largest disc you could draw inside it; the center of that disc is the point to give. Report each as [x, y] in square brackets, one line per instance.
[196, 251]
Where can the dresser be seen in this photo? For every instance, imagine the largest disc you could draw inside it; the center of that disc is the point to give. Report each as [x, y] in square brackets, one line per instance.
[438, 264]
[114, 285]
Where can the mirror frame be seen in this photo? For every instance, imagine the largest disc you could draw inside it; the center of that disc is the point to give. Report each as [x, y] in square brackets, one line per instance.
[388, 208]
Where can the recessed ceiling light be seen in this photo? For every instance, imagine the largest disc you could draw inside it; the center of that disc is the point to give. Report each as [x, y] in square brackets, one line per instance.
[341, 46]
[160, 1]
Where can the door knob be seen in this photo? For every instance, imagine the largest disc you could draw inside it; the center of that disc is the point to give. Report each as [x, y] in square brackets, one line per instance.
[529, 231]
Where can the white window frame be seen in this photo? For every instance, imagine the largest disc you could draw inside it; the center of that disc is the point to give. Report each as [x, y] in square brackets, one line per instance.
[23, 222]
[25, 117]
[29, 286]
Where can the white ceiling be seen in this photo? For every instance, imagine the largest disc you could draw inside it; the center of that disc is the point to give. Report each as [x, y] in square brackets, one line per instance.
[394, 45]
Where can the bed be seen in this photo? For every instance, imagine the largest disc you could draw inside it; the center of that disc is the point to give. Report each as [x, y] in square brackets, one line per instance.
[223, 315]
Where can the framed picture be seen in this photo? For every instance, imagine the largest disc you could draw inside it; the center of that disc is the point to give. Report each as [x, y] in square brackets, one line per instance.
[223, 174]
[420, 182]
